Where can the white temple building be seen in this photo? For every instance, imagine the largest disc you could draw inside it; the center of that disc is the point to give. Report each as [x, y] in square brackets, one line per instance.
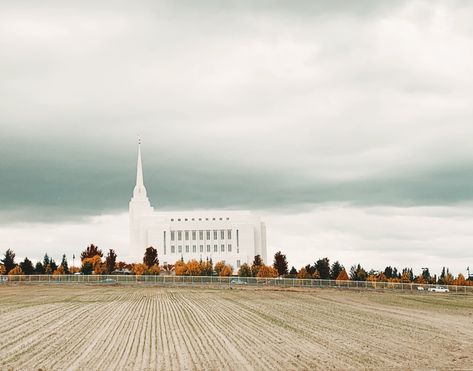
[232, 236]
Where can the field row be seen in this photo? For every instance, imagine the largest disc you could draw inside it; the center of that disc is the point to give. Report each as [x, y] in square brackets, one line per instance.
[79, 327]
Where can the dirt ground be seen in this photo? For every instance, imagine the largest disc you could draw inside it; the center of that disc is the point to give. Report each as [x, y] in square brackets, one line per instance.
[148, 328]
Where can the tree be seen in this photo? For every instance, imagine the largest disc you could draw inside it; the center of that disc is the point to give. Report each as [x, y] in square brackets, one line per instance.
[194, 268]
[154, 270]
[139, 269]
[64, 265]
[180, 268]
[357, 273]
[310, 269]
[303, 274]
[323, 267]
[342, 276]
[151, 257]
[45, 260]
[335, 270]
[382, 277]
[206, 268]
[460, 280]
[257, 263]
[15, 271]
[244, 271]
[110, 261]
[39, 268]
[59, 271]
[280, 263]
[96, 263]
[388, 272]
[90, 252]
[218, 267]
[405, 277]
[426, 275]
[226, 271]
[2, 270]
[27, 266]
[257, 260]
[9, 260]
[52, 265]
[87, 267]
[293, 272]
[266, 271]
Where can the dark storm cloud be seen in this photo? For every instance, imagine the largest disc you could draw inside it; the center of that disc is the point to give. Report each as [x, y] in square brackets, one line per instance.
[268, 104]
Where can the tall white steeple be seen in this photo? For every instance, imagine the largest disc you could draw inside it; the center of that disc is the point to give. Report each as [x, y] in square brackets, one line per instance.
[139, 209]
[140, 190]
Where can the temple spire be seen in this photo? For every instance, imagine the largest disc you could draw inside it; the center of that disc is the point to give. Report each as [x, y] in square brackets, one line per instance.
[140, 190]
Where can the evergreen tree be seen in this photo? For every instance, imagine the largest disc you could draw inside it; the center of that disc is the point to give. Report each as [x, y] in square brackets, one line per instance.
[280, 263]
[110, 261]
[257, 260]
[335, 270]
[52, 265]
[39, 268]
[151, 257]
[46, 260]
[27, 266]
[426, 275]
[9, 260]
[293, 272]
[257, 263]
[64, 265]
[388, 272]
[323, 267]
[310, 270]
[441, 279]
[87, 268]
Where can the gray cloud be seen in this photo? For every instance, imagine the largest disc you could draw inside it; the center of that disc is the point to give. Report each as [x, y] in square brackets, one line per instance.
[273, 105]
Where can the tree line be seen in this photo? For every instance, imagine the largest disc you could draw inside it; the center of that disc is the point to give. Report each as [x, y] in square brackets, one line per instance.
[92, 261]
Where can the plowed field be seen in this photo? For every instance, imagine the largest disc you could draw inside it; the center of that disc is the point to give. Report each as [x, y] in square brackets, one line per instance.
[148, 328]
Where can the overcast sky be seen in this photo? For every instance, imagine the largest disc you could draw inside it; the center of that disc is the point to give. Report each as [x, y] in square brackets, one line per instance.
[346, 124]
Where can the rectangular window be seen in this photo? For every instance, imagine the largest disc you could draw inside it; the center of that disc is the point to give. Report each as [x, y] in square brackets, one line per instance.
[187, 248]
[179, 249]
[222, 234]
[215, 248]
[201, 235]
[187, 235]
[173, 235]
[215, 235]
[222, 248]
[179, 235]
[194, 236]
[208, 248]
[164, 244]
[208, 235]
[238, 250]
[238, 264]
[238, 240]
[201, 248]
[229, 247]
[173, 249]
[229, 234]
[194, 248]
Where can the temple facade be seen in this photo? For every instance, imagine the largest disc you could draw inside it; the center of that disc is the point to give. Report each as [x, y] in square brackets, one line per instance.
[231, 236]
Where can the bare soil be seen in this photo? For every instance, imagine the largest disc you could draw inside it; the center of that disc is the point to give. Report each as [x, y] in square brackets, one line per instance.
[149, 328]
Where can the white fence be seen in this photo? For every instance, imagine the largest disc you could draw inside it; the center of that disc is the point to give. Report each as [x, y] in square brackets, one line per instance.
[167, 280]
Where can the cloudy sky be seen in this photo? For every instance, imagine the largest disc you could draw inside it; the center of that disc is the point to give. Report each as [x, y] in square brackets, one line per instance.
[346, 124]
